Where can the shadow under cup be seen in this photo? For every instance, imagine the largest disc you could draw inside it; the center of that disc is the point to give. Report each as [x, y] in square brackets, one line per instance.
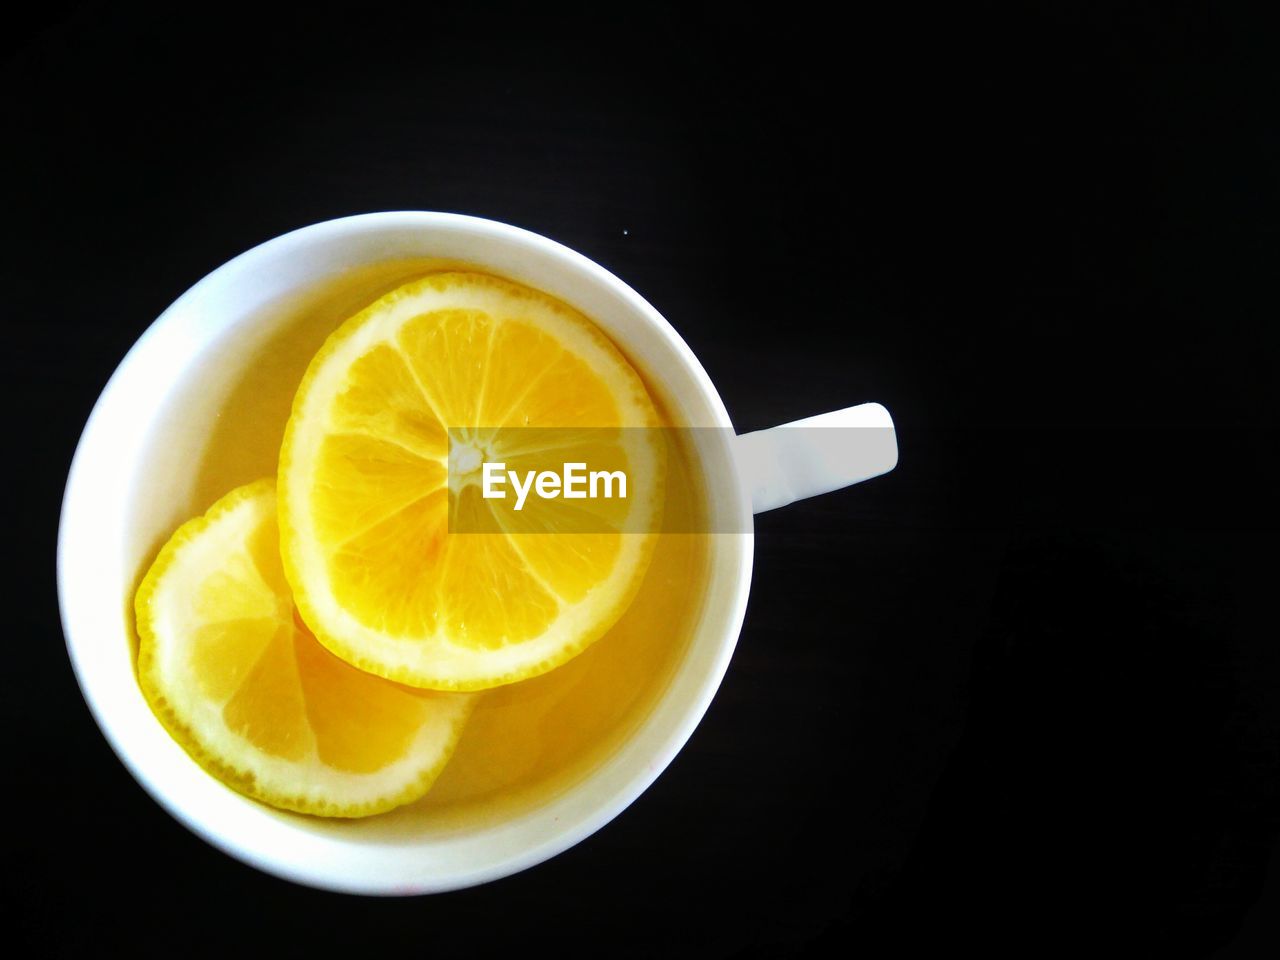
[199, 407]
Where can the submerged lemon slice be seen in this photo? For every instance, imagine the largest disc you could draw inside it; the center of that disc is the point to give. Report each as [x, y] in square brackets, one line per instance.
[378, 572]
[241, 683]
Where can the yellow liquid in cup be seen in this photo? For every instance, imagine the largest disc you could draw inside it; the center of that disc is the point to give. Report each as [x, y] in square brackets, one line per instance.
[527, 741]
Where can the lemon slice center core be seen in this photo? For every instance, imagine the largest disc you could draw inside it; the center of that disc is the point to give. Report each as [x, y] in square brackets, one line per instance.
[466, 459]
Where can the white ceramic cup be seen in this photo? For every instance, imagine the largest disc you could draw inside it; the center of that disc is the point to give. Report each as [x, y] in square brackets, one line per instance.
[119, 503]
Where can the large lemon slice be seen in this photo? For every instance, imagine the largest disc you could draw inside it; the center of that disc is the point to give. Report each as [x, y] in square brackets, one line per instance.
[506, 374]
[241, 683]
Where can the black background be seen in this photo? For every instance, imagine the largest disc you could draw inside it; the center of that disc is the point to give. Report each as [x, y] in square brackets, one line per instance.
[1021, 696]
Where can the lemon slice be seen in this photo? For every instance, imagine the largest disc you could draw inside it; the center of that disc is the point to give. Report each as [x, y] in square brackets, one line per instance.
[240, 682]
[378, 572]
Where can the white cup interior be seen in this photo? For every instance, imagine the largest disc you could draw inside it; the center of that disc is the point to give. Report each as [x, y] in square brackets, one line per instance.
[127, 491]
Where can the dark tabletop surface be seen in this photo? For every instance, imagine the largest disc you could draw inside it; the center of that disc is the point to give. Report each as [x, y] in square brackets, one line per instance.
[1021, 696]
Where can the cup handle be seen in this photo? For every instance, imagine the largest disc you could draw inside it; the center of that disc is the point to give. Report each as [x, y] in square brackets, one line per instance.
[816, 455]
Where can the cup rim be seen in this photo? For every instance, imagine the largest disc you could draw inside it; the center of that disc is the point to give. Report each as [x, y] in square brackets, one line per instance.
[318, 876]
